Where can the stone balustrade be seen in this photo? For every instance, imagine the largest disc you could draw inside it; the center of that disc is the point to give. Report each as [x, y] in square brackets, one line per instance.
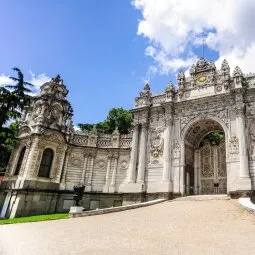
[103, 141]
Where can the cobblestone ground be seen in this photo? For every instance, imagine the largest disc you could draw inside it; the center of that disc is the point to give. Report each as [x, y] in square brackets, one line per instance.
[172, 227]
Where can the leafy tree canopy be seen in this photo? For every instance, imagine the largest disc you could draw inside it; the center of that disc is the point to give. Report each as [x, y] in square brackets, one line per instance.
[117, 117]
[214, 138]
[8, 137]
[13, 99]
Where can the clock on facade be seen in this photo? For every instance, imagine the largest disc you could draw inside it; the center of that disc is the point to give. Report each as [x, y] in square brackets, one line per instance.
[202, 79]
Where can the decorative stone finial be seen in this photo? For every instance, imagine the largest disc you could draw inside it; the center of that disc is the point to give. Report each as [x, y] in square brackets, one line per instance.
[225, 66]
[116, 131]
[146, 90]
[237, 72]
[181, 75]
[57, 79]
[170, 90]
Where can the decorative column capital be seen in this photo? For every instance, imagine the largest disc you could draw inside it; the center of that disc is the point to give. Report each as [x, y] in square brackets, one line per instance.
[144, 125]
[239, 110]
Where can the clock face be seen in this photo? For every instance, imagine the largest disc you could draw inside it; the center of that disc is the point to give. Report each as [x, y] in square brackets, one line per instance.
[202, 79]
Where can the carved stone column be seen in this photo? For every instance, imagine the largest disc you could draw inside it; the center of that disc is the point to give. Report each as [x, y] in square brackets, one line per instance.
[108, 170]
[243, 149]
[114, 172]
[134, 154]
[84, 167]
[32, 164]
[90, 167]
[142, 153]
[167, 175]
[196, 173]
[63, 180]
[32, 158]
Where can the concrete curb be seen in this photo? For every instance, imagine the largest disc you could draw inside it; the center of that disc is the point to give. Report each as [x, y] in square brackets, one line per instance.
[116, 209]
[247, 204]
[202, 198]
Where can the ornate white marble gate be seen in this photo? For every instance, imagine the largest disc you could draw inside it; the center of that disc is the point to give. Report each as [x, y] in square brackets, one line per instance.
[212, 169]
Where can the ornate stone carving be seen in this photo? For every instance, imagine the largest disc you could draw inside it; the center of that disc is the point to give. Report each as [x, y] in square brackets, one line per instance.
[202, 66]
[124, 164]
[101, 163]
[234, 146]
[24, 131]
[218, 88]
[239, 110]
[176, 149]
[156, 145]
[76, 159]
[225, 66]
[50, 109]
[144, 97]
[170, 91]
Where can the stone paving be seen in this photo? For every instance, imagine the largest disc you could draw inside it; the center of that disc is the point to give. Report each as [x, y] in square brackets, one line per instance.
[172, 227]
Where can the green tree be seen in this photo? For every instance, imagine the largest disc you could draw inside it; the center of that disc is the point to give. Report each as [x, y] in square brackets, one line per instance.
[214, 138]
[13, 99]
[117, 117]
[8, 137]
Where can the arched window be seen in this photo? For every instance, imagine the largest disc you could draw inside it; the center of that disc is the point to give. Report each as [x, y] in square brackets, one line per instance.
[46, 162]
[20, 160]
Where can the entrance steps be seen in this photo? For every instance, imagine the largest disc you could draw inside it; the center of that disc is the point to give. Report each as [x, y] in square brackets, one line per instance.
[203, 198]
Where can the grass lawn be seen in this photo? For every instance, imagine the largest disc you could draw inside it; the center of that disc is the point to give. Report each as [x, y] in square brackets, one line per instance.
[35, 218]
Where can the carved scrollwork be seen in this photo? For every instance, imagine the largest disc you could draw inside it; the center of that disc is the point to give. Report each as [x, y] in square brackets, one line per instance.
[76, 160]
[176, 149]
[156, 145]
[234, 146]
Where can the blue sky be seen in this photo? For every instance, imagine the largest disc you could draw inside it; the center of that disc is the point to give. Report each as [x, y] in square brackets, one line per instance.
[97, 46]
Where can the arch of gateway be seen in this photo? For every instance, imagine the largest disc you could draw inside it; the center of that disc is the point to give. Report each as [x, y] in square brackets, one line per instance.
[165, 154]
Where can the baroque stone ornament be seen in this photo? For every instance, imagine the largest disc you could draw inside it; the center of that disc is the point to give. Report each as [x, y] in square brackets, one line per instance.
[124, 164]
[76, 160]
[234, 145]
[176, 149]
[170, 91]
[144, 97]
[157, 144]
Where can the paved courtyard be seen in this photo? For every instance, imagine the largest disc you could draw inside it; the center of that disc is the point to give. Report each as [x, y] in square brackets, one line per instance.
[172, 227]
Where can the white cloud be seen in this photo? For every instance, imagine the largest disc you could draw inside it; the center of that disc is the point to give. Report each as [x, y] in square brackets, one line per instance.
[36, 80]
[174, 27]
[5, 80]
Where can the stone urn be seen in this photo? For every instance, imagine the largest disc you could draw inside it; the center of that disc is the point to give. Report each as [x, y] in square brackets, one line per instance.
[78, 193]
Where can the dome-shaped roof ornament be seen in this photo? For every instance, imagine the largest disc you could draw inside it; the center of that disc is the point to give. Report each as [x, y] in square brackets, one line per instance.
[225, 66]
[146, 91]
[170, 87]
[54, 87]
[192, 70]
[181, 75]
[237, 72]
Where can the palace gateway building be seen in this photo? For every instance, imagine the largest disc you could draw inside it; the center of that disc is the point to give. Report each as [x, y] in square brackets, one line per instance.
[165, 155]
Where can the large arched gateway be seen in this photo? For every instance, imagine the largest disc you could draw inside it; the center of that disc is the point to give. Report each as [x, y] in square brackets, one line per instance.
[205, 170]
[196, 137]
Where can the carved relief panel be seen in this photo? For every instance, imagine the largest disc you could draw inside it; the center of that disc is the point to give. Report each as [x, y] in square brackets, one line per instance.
[156, 146]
